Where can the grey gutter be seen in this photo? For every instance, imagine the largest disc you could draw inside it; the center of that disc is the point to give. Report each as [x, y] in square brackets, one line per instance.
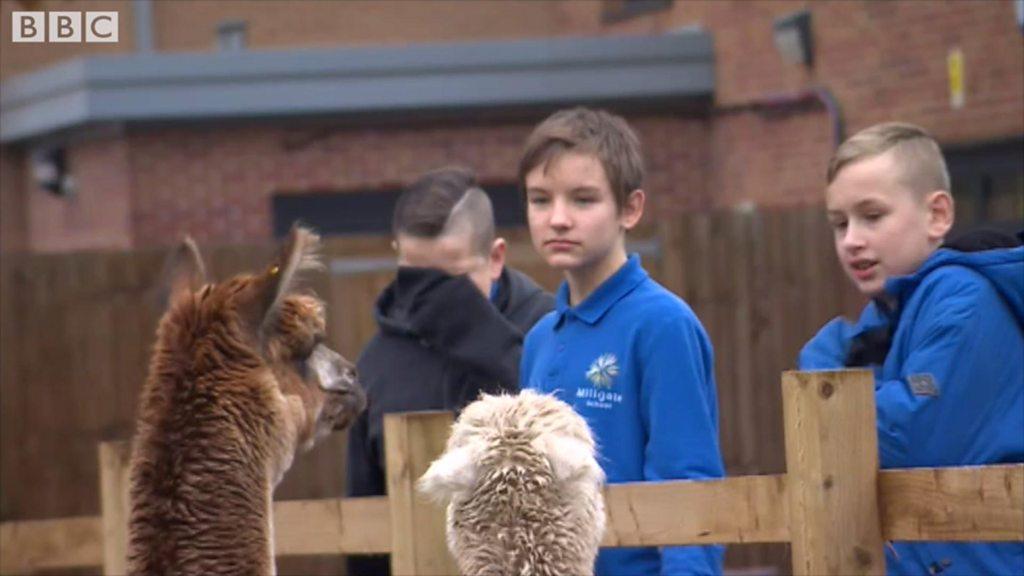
[254, 84]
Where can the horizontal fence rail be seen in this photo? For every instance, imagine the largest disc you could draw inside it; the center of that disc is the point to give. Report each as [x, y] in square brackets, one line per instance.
[974, 503]
[941, 504]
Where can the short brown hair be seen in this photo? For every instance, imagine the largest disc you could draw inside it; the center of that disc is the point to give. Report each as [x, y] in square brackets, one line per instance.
[606, 136]
[442, 200]
[922, 166]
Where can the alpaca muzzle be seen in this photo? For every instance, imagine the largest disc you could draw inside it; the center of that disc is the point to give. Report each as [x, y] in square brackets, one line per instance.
[338, 379]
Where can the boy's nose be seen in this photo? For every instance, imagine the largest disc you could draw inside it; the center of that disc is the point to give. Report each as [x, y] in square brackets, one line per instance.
[560, 217]
[852, 238]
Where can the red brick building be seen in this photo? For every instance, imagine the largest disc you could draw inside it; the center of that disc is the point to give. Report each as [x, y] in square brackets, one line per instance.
[329, 103]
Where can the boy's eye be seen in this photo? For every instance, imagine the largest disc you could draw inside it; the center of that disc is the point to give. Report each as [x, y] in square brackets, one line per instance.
[873, 216]
[838, 224]
[537, 200]
[585, 199]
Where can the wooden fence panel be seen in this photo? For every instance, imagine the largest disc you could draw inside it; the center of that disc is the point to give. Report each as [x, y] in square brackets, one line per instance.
[77, 330]
[833, 502]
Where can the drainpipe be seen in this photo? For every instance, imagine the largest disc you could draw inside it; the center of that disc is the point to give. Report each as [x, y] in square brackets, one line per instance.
[835, 114]
[143, 10]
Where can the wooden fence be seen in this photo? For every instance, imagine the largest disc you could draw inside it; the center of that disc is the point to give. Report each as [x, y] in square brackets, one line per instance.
[76, 331]
[832, 504]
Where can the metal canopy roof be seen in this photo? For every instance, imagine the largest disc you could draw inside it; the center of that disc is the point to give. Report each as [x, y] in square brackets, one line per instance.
[349, 81]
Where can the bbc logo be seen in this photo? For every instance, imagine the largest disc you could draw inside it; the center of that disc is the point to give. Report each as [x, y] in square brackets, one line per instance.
[64, 26]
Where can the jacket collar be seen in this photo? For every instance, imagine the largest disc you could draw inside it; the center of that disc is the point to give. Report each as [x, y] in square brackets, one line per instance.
[1003, 267]
[618, 285]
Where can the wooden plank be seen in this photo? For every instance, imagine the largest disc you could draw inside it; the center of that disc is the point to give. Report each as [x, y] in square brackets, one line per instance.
[14, 387]
[953, 504]
[332, 526]
[731, 510]
[411, 442]
[33, 545]
[114, 477]
[949, 504]
[743, 385]
[832, 470]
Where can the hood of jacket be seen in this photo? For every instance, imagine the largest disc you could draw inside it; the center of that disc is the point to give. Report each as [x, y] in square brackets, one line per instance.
[521, 300]
[449, 314]
[1004, 268]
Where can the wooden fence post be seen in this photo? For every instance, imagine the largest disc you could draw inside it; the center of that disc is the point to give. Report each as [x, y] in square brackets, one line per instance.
[832, 469]
[114, 457]
[411, 442]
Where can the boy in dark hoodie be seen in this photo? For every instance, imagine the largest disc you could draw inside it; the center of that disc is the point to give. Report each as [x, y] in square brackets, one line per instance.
[944, 332]
[451, 324]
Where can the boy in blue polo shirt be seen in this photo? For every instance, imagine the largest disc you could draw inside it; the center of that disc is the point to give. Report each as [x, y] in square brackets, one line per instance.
[626, 353]
[944, 332]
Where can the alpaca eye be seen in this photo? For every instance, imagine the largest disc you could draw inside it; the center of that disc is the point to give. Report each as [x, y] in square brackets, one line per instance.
[318, 339]
[301, 366]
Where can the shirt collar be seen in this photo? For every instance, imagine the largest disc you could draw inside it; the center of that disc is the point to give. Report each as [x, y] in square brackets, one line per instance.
[622, 282]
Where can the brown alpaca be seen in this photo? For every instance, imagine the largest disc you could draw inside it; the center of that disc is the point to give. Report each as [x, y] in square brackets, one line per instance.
[240, 379]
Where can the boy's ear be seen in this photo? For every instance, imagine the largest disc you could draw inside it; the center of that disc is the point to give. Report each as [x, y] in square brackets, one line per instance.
[632, 209]
[941, 213]
[496, 259]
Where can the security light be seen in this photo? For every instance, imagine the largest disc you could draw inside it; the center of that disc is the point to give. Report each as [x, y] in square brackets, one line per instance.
[49, 171]
[793, 38]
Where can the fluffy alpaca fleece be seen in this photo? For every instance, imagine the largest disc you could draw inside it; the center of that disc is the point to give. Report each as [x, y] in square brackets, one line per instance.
[523, 488]
[239, 380]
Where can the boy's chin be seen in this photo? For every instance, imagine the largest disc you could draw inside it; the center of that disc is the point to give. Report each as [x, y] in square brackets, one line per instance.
[561, 261]
[871, 288]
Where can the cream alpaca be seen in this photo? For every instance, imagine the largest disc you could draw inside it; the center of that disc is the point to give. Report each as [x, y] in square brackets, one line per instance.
[523, 488]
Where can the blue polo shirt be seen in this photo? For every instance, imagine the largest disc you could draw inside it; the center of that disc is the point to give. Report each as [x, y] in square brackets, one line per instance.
[635, 362]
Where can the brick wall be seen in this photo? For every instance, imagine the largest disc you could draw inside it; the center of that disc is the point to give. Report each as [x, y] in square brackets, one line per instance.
[216, 183]
[192, 25]
[26, 57]
[97, 215]
[881, 61]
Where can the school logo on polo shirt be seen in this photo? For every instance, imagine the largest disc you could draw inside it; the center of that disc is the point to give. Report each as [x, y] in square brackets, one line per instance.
[603, 370]
[601, 374]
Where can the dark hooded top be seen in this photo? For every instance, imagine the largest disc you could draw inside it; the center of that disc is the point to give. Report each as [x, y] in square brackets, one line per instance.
[440, 344]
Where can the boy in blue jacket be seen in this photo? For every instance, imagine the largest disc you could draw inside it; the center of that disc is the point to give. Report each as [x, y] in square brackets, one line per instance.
[944, 331]
[626, 353]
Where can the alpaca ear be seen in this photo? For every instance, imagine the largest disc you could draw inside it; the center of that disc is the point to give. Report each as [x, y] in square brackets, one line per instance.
[570, 458]
[183, 272]
[298, 254]
[453, 473]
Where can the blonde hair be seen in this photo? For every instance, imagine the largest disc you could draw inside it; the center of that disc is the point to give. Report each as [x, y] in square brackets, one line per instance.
[922, 167]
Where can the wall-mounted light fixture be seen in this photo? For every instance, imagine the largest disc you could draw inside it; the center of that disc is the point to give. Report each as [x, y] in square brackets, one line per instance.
[793, 38]
[50, 172]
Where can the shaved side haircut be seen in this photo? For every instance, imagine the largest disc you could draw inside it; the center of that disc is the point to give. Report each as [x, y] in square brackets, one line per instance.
[444, 201]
